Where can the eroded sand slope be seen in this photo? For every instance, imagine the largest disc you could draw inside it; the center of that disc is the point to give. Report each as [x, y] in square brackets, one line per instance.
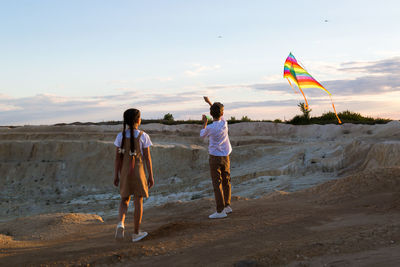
[70, 168]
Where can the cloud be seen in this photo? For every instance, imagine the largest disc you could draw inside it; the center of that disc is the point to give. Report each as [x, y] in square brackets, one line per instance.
[272, 78]
[45, 108]
[227, 86]
[374, 91]
[378, 77]
[49, 109]
[387, 66]
[201, 69]
[250, 104]
[7, 107]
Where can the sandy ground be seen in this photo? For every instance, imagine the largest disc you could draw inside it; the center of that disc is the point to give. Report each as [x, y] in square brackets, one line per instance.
[316, 195]
[352, 221]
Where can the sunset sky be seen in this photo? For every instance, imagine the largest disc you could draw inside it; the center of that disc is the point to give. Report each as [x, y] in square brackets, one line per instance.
[74, 60]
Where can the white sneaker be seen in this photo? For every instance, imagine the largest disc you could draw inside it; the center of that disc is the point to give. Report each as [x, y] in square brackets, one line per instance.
[218, 215]
[139, 236]
[119, 232]
[228, 209]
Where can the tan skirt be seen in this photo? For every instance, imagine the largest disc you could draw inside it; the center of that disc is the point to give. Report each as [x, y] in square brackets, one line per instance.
[133, 181]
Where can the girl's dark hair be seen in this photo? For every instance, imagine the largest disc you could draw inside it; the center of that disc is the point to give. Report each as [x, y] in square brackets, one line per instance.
[131, 116]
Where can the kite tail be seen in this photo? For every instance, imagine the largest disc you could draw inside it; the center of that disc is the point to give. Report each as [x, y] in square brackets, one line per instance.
[333, 105]
[306, 105]
[291, 86]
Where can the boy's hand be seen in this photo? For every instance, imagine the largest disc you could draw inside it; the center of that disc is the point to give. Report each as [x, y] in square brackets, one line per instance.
[116, 180]
[207, 100]
[204, 119]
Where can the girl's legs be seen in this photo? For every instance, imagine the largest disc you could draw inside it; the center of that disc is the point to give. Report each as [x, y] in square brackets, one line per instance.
[137, 216]
[123, 208]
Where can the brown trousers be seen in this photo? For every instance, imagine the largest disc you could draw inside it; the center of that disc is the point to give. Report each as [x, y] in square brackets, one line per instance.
[221, 179]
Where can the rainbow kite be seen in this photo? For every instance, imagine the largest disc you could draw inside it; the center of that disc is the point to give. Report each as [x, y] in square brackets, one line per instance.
[293, 71]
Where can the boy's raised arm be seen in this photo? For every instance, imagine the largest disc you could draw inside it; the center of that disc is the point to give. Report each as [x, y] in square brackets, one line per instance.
[207, 100]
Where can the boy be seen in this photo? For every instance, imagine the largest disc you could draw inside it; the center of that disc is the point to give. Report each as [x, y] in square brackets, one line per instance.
[219, 149]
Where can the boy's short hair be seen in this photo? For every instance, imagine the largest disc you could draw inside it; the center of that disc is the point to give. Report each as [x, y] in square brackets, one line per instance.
[216, 110]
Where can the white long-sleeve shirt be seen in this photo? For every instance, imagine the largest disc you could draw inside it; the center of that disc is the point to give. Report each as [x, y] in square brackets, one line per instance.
[219, 144]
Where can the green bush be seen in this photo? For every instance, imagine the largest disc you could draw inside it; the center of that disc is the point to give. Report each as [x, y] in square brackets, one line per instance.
[245, 119]
[299, 120]
[306, 112]
[168, 117]
[326, 118]
[330, 118]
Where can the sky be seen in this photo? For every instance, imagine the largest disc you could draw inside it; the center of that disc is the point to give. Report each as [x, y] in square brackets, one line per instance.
[74, 60]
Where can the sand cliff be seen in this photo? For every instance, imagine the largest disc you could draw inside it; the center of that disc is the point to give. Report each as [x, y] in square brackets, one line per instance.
[70, 168]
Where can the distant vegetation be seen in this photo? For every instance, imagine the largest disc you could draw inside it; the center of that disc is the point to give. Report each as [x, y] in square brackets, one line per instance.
[168, 117]
[303, 119]
[330, 118]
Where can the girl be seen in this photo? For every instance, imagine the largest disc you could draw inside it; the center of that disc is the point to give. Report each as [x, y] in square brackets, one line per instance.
[133, 149]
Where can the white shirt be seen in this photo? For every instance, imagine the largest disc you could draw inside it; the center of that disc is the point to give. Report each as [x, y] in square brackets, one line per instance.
[219, 140]
[145, 141]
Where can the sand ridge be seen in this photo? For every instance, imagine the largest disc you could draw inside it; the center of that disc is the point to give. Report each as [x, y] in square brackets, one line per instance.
[46, 226]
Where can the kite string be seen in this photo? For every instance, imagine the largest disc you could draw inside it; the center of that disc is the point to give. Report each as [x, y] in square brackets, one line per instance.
[301, 64]
[291, 85]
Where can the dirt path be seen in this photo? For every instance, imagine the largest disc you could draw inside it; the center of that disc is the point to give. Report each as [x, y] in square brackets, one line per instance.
[299, 229]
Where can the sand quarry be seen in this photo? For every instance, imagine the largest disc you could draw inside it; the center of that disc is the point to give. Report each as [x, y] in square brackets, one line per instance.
[302, 196]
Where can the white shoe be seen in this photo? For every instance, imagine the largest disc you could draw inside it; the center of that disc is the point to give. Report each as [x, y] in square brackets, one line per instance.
[228, 209]
[119, 232]
[139, 236]
[218, 215]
